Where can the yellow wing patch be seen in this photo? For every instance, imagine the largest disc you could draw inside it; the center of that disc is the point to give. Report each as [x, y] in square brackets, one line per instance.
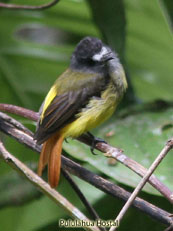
[50, 96]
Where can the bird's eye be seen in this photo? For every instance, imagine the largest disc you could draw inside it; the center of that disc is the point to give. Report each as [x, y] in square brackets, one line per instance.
[92, 62]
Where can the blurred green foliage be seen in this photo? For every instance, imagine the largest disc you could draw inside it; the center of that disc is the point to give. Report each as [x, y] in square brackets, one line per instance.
[35, 48]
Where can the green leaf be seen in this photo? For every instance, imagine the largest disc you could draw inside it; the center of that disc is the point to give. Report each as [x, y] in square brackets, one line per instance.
[109, 207]
[110, 18]
[35, 47]
[149, 50]
[16, 190]
[41, 211]
[141, 134]
[167, 8]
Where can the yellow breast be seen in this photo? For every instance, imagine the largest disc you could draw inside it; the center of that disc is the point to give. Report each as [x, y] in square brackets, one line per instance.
[97, 111]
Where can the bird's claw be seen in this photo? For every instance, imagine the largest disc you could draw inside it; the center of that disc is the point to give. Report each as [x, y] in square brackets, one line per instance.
[95, 140]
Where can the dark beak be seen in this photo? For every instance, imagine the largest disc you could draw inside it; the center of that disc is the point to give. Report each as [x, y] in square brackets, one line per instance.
[110, 55]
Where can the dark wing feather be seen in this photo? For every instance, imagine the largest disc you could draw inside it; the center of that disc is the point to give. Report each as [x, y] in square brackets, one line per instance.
[63, 109]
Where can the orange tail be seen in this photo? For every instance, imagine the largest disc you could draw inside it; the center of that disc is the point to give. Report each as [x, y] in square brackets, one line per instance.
[51, 155]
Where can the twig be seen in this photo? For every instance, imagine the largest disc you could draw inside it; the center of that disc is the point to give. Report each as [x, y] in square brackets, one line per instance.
[27, 7]
[115, 191]
[143, 181]
[15, 123]
[88, 206]
[26, 113]
[133, 165]
[105, 148]
[11, 130]
[170, 228]
[43, 186]
[97, 181]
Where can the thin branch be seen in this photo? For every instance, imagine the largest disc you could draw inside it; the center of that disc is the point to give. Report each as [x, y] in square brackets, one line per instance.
[103, 147]
[143, 181]
[43, 186]
[15, 123]
[170, 228]
[115, 191]
[28, 7]
[117, 154]
[26, 113]
[88, 206]
[97, 181]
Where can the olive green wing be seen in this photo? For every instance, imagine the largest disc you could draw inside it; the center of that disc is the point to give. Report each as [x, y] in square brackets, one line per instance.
[63, 107]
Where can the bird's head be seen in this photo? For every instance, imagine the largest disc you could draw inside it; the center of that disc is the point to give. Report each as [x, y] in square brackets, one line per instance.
[91, 52]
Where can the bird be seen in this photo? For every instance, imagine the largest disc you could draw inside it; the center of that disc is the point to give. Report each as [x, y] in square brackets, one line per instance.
[83, 96]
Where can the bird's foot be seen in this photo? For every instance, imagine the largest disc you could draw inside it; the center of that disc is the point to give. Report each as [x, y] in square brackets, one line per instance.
[95, 140]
